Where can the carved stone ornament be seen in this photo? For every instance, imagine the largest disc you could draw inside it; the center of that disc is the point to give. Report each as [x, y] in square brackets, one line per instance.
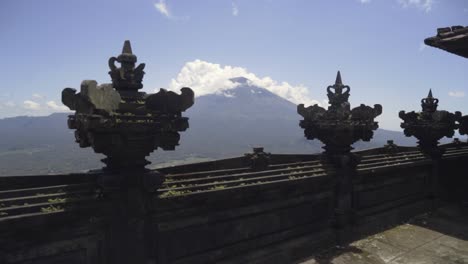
[391, 148]
[127, 77]
[430, 125]
[339, 127]
[258, 160]
[463, 125]
[122, 123]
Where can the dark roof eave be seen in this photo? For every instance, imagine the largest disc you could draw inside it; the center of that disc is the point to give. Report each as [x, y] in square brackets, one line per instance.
[453, 40]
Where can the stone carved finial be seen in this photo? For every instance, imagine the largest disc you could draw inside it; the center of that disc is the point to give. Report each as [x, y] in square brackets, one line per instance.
[429, 125]
[338, 98]
[127, 77]
[122, 123]
[339, 126]
[338, 81]
[127, 48]
[429, 104]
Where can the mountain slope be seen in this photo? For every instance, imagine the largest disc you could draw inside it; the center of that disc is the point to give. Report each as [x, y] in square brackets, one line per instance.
[247, 116]
[241, 118]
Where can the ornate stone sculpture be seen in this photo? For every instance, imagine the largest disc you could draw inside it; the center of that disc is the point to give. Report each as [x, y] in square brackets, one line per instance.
[430, 125]
[339, 126]
[258, 160]
[127, 125]
[122, 123]
[391, 148]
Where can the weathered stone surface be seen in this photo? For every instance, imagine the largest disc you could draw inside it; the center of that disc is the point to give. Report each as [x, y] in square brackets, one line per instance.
[102, 97]
[91, 98]
[423, 240]
[408, 236]
[382, 251]
[170, 102]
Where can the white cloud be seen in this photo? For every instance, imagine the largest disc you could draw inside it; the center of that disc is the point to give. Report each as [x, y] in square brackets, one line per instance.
[456, 93]
[31, 105]
[31, 108]
[162, 8]
[235, 9]
[37, 96]
[54, 106]
[10, 104]
[364, 1]
[425, 5]
[210, 78]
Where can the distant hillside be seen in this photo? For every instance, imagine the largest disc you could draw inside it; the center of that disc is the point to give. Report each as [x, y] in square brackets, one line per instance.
[221, 125]
[32, 145]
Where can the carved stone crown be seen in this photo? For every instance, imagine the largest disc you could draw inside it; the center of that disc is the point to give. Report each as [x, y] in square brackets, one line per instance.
[429, 104]
[127, 77]
[338, 97]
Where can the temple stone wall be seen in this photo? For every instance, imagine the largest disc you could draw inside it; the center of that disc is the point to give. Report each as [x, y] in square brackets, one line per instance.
[269, 222]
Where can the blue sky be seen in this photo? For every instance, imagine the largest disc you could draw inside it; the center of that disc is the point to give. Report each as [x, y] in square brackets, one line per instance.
[293, 47]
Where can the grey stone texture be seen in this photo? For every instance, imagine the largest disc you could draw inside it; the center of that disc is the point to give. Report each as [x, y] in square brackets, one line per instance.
[438, 238]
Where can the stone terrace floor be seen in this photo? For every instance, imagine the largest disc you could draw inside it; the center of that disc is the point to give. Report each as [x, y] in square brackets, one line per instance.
[438, 238]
